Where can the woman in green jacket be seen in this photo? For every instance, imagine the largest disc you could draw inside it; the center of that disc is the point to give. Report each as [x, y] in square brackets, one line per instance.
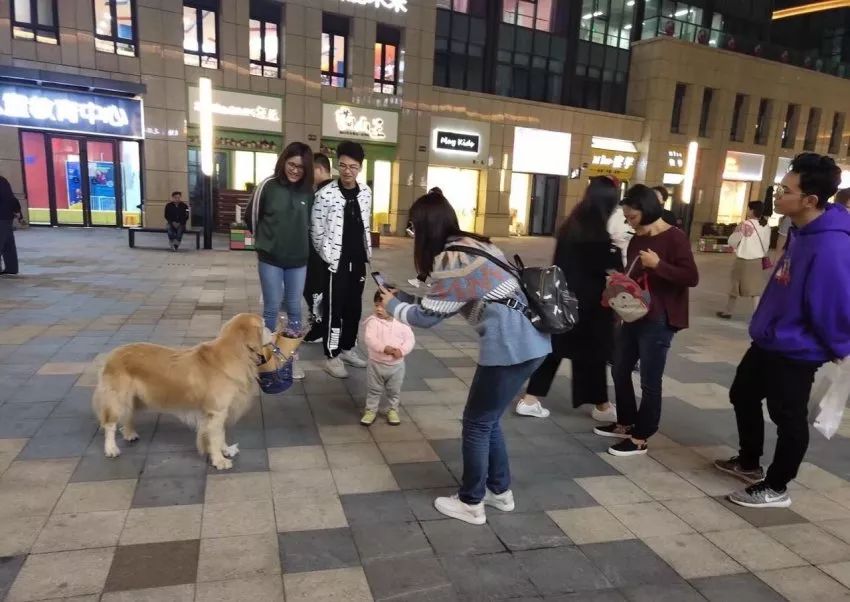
[279, 216]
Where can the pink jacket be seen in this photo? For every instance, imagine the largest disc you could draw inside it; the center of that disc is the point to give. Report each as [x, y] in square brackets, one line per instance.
[379, 334]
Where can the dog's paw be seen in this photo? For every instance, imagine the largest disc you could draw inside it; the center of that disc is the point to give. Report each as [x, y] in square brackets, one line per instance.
[230, 451]
[222, 464]
[130, 437]
[111, 451]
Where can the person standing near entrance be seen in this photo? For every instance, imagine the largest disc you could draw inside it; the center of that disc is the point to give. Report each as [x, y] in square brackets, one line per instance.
[341, 217]
[10, 208]
[176, 216]
[279, 216]
[802, 322]
[751, 241]
[317, 270]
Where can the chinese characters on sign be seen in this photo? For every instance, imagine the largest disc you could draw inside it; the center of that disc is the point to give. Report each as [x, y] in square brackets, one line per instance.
[69, 111]
[256, 112]
[240, 111]
[620, 166]
[676, 159]
[350, 124]
[399, 6]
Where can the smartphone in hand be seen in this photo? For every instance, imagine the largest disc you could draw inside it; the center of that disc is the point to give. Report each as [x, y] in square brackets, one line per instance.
[379, 280]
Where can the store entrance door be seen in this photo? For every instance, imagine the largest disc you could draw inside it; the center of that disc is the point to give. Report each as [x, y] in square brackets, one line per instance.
[544, 204]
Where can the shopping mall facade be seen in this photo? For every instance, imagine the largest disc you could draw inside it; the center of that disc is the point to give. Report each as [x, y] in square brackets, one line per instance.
[508, 106]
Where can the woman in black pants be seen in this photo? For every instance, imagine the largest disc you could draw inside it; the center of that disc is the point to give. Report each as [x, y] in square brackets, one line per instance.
[585, 253]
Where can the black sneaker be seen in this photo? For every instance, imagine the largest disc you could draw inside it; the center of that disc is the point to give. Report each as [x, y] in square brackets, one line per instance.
[733, 467]
[723, 315]
[627, 447]
[613, 430]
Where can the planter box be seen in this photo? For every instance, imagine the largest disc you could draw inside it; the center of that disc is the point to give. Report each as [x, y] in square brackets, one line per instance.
[241, 240]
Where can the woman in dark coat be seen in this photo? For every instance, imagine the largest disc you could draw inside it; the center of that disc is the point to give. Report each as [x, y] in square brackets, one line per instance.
[585, 253]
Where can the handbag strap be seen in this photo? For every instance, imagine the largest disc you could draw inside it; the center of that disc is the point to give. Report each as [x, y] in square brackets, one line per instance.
[510, 269]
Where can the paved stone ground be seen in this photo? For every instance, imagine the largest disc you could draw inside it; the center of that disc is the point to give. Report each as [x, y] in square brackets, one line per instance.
[318, 508]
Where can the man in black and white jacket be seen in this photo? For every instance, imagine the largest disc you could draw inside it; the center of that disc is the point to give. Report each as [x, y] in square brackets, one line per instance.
[341, 218]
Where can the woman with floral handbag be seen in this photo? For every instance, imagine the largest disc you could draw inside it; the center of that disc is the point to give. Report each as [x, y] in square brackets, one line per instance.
[751, 240]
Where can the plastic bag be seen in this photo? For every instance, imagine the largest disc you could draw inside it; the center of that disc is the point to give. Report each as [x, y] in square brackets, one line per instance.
[833, 402]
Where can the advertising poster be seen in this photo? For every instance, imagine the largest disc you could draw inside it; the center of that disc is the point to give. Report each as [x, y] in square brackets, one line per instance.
[72, 177]
[102, 185]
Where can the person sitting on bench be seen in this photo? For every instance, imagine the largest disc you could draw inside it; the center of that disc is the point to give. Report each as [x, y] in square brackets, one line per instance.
[176, 215]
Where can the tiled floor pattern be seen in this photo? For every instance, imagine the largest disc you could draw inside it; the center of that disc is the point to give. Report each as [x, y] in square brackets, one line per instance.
[318, 508]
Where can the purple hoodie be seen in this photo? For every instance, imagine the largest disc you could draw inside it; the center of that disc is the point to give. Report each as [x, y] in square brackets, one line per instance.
[805, 311]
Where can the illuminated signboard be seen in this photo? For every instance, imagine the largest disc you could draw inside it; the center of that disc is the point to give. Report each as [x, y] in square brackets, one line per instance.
[541, 151]
[359, 123]
[743, 167]
[457, 142]
[239, 111]
[66, 111]
[619, 165]
[399, 6]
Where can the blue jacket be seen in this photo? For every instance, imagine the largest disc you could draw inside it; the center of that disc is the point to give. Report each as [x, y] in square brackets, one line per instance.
[804, 313]
[462, 284]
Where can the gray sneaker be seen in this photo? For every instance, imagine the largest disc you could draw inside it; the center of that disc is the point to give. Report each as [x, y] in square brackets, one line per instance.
[760, 495]
[733, 467]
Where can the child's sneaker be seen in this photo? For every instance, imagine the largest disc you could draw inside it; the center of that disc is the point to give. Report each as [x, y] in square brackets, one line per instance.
[392, 417]
[368, 417]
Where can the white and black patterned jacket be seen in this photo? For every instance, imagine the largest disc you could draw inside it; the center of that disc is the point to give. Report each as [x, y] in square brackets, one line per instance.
[328, 218]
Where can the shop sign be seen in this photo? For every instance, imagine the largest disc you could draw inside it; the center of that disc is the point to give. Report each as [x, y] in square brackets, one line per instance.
[743, 167]
[67, 111]
[239, 111]
[344, 121]
[619, 165]
[541, 152]
[457, 142]
[676, 161]
[399, 6]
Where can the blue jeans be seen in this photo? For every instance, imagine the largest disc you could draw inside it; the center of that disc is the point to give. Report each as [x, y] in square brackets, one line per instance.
[282, 285]
[647, 341]
[485, 457]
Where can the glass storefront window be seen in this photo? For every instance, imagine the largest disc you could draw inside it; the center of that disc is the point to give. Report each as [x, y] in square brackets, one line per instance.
[733, 198]
[131, 183]
[35, 176]
[461, 189]
[520, 196]
[381, 194]
[250, 168]
[101, 174]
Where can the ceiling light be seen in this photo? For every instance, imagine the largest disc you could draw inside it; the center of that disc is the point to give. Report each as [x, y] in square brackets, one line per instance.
[627, 27]
[681, 12]
[813, 7]
[630, 3]
[598, 13]
[587, 16]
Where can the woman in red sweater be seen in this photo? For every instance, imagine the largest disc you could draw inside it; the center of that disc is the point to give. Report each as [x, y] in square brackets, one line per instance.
[664, 264]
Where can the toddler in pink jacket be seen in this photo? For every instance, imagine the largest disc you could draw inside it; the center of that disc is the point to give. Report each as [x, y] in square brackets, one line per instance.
[388, 341]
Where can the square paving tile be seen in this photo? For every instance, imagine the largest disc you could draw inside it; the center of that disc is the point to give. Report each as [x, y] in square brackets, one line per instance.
[238, 518]
[489, 577]
[60, 438]
[590, 525]
[763, 517]
[163, 523]
[527, 531]
[839, 528]
[347, 584]
[309, 513]
[77, 531]
[100, 468]
[814, 506]
[9, 567]
[406, 431]
[298, 457]
[706, 514]
[17, 534]
[610, 491]
[755, 550]
[311, 482]
[169, 492]
[665, 485]
[840, 571]
[649, 519]
[404, 452]
[628, 563]
[62, 574]
[736, 587]
[318, 550]
[265, 589]
[811, 542]
[351, 433]
[348, 455]
[422, 475]
[380, 541]
[239, 557]
[248, 460]
[153, 565]
[693, 556]
[96, 496]
[364, 479]
[804, 583]
[381, 507]
[633, 465]
[420, 579]
[237, 487]
[171, 593]
[668, 592]
[815, 477]
[555, 494]
[174, 464]
[452, 537]
[562, 570]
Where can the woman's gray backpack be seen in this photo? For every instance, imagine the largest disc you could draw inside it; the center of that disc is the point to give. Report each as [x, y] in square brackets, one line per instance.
[551, 308]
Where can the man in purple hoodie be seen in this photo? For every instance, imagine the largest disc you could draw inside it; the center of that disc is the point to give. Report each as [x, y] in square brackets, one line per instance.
[802, 322]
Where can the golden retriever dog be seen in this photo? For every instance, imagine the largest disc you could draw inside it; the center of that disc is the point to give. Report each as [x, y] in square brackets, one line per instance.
[208, 385]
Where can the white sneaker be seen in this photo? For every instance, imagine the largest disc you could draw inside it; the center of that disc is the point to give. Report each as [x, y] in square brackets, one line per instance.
[609, 415]
[535, 410]
[468, 513]
[352, 358]
[336, 368]
[503, 501]
[297, 370]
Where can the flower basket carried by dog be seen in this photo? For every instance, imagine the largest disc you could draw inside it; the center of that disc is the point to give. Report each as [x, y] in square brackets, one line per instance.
[275, 375]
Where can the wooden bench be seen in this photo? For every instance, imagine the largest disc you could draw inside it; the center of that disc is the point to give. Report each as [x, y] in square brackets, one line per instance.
[131, 232]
